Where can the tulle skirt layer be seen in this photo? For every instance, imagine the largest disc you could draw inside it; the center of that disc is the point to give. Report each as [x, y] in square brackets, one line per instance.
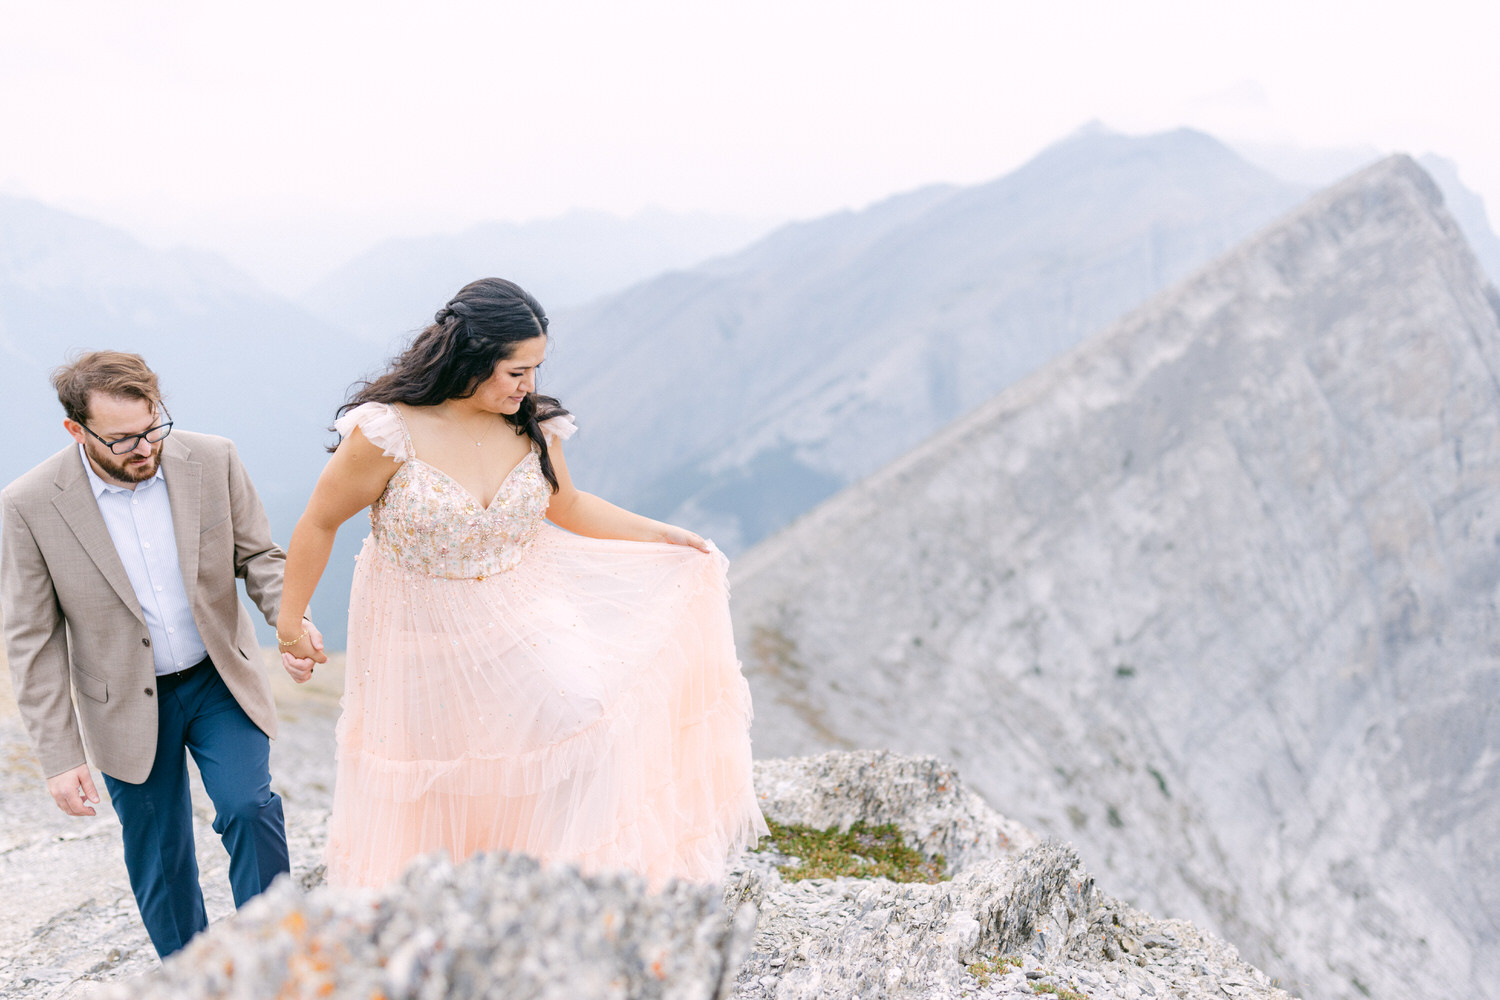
[586, 706]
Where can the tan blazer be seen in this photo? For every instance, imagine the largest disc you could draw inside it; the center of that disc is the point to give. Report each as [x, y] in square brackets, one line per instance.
[72, 621]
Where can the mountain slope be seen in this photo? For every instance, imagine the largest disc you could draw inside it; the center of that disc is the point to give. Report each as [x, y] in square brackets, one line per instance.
[233, 359]
[1220, 587]
[736, 395]
[396, 286]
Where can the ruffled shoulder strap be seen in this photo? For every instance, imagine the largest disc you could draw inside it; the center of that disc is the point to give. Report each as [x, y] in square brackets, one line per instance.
[382, 424]
[559, 428]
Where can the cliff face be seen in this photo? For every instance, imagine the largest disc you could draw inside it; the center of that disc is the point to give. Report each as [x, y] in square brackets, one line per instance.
[1214, 597]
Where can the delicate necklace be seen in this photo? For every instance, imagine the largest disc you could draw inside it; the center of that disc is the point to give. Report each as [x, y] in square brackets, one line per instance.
[487, 428]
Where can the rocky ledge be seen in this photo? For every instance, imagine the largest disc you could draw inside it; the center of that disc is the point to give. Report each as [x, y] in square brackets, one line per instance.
[1015, 917]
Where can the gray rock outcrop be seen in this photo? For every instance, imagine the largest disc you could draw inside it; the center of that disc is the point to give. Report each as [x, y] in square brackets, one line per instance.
[1017, 916]
[1216, 597]
[938, 813]
[496, 926]
[1017, 913]
[998, 929]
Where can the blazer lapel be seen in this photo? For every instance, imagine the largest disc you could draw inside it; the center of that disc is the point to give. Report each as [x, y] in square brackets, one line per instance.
[185, 490]
[80, 512]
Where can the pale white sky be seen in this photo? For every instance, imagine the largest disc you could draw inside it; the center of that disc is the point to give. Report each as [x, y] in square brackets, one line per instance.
[289, 134]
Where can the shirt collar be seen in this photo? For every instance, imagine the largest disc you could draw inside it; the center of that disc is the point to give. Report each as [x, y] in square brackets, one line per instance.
[100, 487]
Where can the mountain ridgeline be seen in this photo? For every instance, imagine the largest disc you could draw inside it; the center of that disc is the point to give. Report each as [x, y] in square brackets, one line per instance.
[735, 396]
[1216, 597]
[396, 286]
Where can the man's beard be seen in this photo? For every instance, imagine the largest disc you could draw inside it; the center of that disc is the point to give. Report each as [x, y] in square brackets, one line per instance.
[119, 467]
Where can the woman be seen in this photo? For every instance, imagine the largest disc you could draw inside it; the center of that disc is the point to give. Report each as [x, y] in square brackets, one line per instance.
[572, 694]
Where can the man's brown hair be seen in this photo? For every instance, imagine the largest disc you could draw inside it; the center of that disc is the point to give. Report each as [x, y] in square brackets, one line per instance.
[114, 373]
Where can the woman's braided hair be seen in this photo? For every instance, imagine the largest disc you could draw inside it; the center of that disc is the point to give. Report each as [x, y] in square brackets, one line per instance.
[477, 329]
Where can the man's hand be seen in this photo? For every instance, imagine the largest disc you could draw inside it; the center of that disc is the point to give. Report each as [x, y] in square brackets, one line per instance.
[73, 791]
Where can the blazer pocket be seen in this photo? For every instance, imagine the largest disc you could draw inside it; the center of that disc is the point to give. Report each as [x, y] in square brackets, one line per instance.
[218, 525]
[90, 686]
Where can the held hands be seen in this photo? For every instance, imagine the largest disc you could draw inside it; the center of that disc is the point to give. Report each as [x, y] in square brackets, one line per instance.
[73, 791]
[298, 657]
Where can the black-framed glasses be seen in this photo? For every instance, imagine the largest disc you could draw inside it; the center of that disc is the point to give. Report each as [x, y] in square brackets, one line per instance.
[129, 443]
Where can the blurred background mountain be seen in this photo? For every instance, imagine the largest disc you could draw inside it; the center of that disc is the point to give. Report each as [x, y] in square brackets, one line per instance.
[233, 358]
[771, 378]
[733, 392]
[396, 286]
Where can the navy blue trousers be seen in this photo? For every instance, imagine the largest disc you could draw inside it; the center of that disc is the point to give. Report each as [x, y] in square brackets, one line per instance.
[156, 817]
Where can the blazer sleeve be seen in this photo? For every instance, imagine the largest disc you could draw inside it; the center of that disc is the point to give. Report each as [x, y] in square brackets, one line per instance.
[36, 644]
[259, 561]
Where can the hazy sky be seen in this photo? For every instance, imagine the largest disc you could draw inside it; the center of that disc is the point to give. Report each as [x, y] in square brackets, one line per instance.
[288, 134]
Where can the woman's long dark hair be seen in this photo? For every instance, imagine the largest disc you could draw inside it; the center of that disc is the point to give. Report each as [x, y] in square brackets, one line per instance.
[478, 328]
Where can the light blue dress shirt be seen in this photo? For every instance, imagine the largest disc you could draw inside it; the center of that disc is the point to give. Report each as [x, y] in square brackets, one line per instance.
[140, 524]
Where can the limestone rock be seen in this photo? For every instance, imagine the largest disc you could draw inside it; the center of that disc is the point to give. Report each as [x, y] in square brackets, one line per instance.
[938, 813]
[495, 926]
[1011, 897]
[1039, 909]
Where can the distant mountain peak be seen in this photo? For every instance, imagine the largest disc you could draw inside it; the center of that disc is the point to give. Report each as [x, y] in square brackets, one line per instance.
[1396, 169]
[1090, 129]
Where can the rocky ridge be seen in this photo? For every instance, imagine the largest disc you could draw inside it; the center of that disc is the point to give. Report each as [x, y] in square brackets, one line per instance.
[1216, 598]
[1020, 916]
[1018, 919]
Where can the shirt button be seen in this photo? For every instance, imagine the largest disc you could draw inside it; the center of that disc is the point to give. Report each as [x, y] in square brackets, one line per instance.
[171, 631]
[145, 545]
[179, 663]
[158, 590]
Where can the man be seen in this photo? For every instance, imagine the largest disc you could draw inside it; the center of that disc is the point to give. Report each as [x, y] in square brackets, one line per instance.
[117, 581]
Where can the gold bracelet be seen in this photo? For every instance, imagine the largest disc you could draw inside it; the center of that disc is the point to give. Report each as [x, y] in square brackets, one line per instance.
[289, 643]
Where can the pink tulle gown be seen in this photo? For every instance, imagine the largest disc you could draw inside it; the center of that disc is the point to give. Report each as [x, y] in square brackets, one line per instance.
[511, 685]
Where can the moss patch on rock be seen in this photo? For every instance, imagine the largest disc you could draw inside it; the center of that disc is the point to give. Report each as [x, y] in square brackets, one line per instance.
[862, 851]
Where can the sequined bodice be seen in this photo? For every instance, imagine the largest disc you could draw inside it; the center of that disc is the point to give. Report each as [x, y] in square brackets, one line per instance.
[427, 522]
